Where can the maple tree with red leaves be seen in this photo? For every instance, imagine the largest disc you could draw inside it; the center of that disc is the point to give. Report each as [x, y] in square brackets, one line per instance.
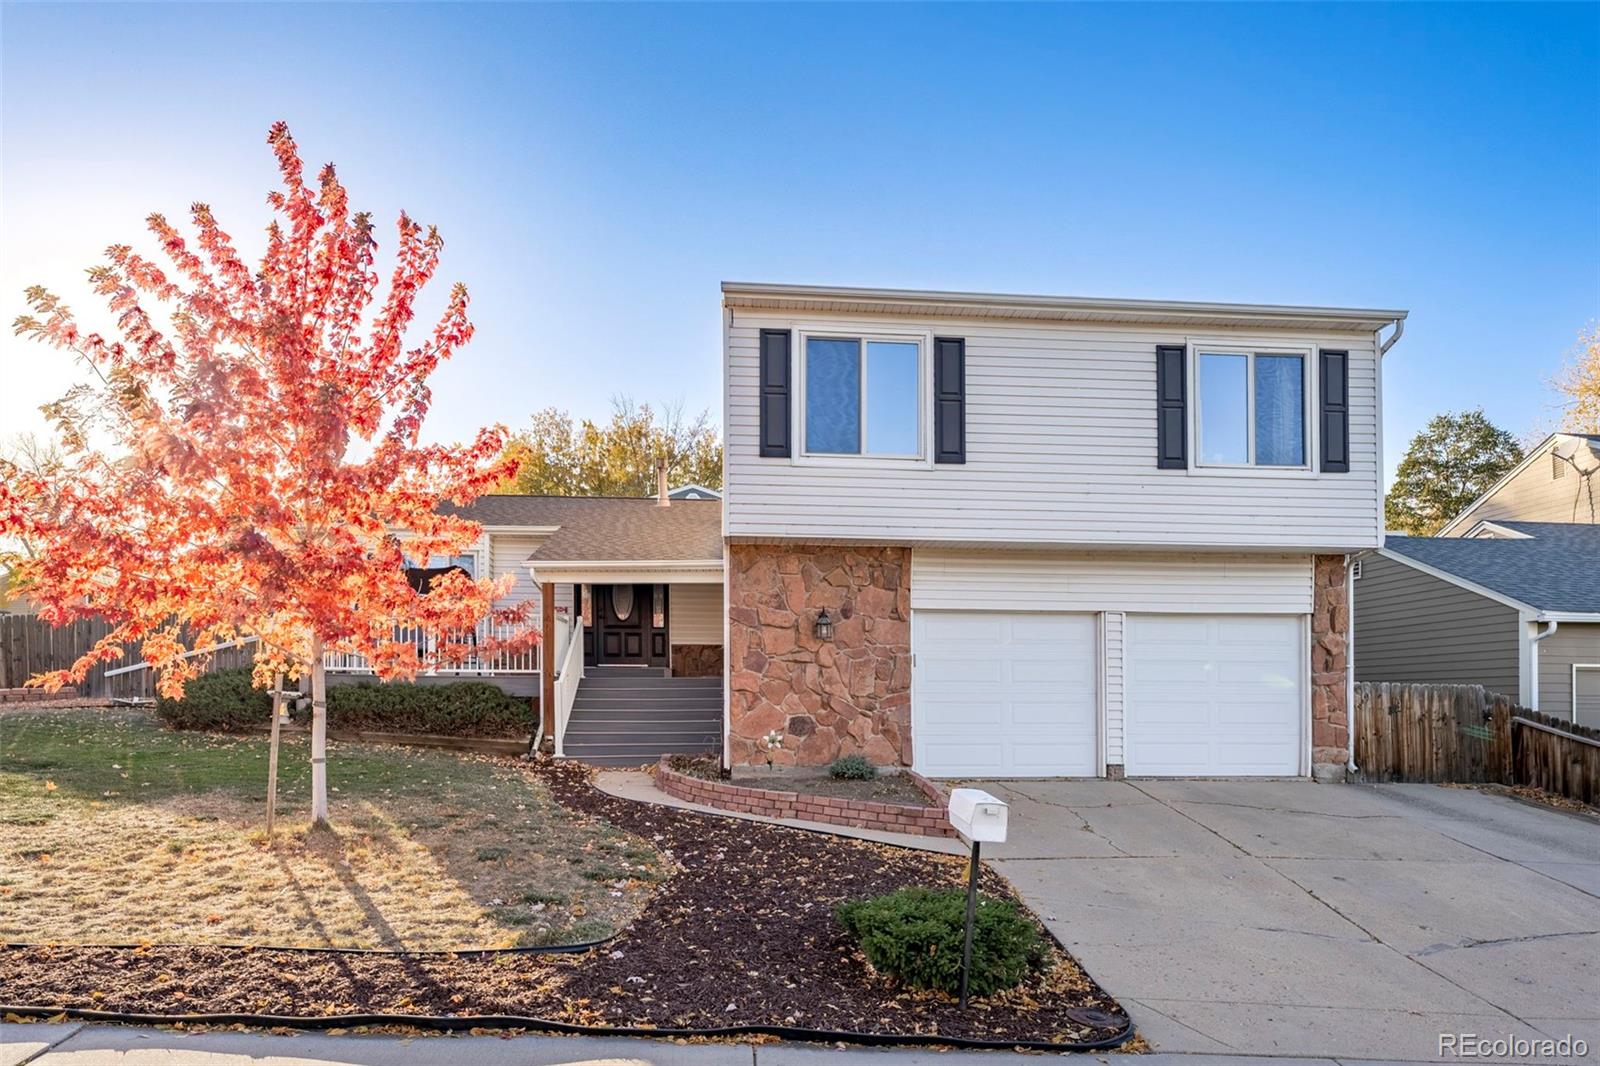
[210, 488]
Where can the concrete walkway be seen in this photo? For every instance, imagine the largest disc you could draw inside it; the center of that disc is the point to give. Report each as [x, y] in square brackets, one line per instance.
[1286, 918]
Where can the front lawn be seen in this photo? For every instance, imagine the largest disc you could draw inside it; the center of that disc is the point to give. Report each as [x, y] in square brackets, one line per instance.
[115, 830]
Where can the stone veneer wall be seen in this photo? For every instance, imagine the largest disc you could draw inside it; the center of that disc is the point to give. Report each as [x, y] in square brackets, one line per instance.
[829, 698]
[1330, 667]
[697, 660]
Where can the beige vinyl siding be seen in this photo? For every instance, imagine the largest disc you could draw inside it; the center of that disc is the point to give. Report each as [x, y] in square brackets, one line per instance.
[1534, 495]
[508, 554]
[1165, 582]
[1572, 642]
[1412, 626]
[695, 614]
[1113, 624]
[1061, 449]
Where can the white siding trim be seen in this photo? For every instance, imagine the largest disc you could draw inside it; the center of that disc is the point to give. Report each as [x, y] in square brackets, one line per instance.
[1114, 688]
[1166, 582]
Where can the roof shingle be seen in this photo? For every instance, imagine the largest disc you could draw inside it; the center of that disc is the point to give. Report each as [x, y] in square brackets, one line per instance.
[1557, 568]
[609, 528]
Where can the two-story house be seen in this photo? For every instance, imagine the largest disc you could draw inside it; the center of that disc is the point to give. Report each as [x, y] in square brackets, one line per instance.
[1036, 536]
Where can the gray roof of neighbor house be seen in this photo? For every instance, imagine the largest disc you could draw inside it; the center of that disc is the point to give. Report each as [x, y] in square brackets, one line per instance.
[609, 528]
[1555, 568]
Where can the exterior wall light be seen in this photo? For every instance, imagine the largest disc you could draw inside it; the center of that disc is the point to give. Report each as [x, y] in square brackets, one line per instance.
[824, 626]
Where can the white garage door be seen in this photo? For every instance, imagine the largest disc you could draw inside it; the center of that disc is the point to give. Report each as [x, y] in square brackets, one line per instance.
[1004, 695]
[1214, 695]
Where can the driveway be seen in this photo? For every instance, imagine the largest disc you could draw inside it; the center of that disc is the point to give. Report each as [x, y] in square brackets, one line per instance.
[1287, 918]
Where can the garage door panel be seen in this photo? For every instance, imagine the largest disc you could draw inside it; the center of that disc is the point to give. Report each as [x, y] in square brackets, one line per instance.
[973, 714]
[1252, 674]
[1005, 694]
[960, 629]
[1214, 695]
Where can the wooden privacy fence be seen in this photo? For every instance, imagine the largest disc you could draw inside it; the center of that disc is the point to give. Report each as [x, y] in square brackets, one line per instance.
[1464, 734]
[29, 646]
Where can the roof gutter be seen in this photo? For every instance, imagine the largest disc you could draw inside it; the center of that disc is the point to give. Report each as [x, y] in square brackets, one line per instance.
[1399, 331]
[761, 293]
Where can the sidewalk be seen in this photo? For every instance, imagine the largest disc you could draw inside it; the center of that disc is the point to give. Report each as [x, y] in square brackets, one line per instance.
[44, 1044]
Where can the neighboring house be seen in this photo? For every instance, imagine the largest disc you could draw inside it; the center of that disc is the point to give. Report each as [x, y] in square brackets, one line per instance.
[1506, 595]
[13, 602]
[694, 492]
[639, 579]
[1557, 481]
[1501, 602]
[1015, 536]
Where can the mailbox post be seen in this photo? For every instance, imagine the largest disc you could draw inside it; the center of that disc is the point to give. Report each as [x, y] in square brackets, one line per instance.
[978, 817]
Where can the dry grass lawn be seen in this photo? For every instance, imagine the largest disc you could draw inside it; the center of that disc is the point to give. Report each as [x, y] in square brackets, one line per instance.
[115, 830]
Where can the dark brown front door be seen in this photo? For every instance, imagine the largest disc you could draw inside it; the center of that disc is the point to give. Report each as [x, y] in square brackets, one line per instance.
[630, 624]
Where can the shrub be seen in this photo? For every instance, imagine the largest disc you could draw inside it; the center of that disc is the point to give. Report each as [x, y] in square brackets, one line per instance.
[223, 701]
[852, 768]
[461, 709]
[915, 936]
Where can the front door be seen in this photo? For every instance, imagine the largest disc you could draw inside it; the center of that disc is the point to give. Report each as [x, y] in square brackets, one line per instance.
[630, 625]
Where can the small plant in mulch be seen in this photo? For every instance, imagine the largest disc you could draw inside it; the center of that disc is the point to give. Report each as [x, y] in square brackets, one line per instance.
[852, 768]
[704, 767]
[915, 936]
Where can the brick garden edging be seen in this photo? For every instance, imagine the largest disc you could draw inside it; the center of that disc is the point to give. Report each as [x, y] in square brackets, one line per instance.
[36, 695]
[772, 803]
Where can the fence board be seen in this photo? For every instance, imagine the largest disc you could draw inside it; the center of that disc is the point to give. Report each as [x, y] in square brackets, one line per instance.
[29, 646]
[1463, 734]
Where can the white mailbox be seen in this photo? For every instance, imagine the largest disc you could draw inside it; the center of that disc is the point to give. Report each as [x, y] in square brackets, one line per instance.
[978, 816]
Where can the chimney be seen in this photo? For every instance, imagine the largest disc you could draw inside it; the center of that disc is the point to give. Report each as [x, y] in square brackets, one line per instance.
[662, 499]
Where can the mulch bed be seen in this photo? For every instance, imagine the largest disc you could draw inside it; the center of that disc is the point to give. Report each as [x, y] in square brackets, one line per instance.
[742, 935]
[885, 788]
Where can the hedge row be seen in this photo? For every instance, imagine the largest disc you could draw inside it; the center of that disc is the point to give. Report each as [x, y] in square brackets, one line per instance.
[224, 702]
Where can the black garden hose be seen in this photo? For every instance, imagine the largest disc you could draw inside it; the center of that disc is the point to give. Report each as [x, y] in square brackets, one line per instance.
[453, 1023]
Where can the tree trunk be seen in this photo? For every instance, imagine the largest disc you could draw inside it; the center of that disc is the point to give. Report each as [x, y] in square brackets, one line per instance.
[319, 736]
[272, 754]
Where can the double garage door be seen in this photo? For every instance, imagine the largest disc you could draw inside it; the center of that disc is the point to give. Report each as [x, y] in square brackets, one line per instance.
[1018, 694]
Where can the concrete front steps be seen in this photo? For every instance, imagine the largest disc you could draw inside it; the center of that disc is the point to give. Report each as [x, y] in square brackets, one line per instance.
[631, 715]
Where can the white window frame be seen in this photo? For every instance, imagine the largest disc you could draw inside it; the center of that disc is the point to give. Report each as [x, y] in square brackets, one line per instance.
[1575, 668]
[1308, 401]
[924, 343]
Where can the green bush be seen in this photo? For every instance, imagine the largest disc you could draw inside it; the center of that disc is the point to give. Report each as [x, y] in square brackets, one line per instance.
[223, 702]
[915, 936]
[852, 768]
[460, 709]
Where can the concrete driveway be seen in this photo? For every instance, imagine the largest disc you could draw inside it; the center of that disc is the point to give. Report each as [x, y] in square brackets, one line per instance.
[1286, 918]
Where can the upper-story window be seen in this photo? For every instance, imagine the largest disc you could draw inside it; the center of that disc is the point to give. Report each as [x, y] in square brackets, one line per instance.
[863, 396]
[1252, 408]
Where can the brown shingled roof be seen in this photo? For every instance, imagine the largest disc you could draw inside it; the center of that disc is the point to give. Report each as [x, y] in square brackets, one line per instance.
[609, 528]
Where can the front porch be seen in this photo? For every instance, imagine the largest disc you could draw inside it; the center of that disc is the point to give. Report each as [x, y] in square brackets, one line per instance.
[640, 668]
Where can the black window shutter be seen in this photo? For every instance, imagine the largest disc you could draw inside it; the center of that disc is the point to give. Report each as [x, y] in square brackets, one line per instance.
[1172, 409]
[775, 401]
[1334, 375]
[949, 400]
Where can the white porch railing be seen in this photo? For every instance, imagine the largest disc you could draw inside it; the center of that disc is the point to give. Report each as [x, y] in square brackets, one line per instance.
[566, 686]
[522, 661]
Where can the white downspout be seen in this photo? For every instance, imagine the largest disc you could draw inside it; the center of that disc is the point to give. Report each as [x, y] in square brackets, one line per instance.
[1350, 660]
[1533, 661]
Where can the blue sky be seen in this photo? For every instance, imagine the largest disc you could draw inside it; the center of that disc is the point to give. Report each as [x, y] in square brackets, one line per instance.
[597, 170]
